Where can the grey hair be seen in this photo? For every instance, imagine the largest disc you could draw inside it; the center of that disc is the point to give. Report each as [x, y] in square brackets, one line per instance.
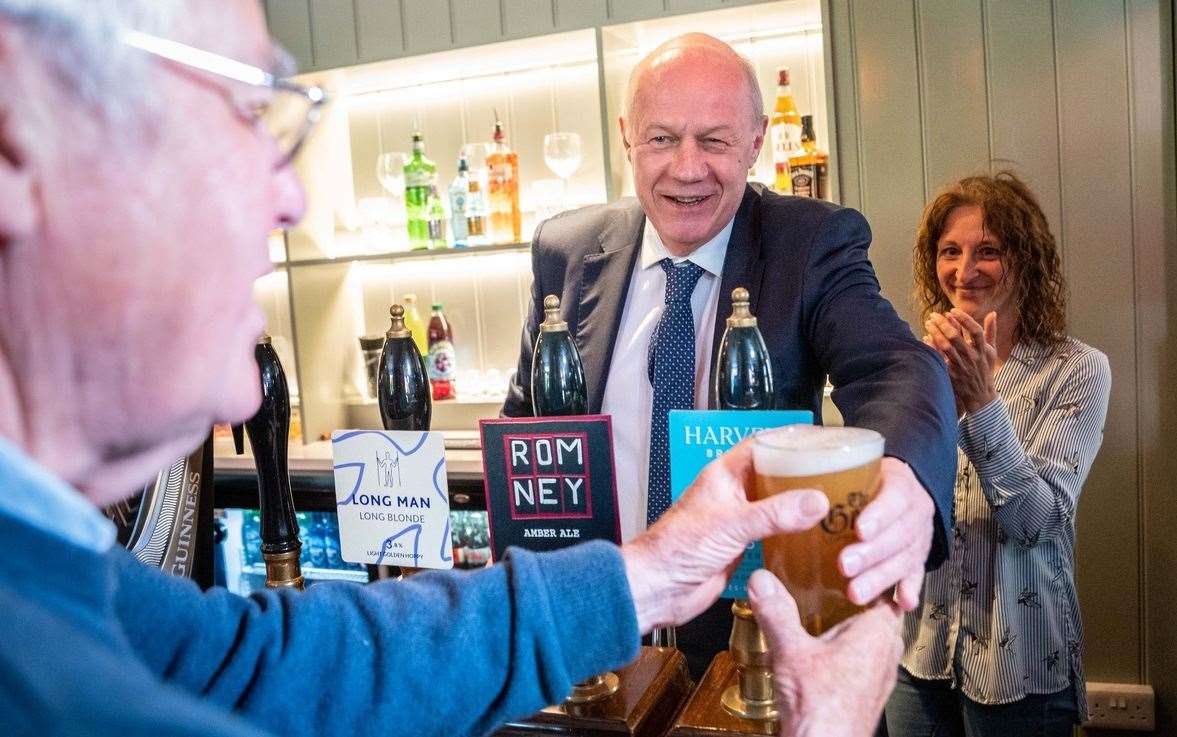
[79, 42]
[695, 40]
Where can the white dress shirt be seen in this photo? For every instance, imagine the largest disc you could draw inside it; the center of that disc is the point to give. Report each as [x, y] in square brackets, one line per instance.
[628, 395]
[31, 493]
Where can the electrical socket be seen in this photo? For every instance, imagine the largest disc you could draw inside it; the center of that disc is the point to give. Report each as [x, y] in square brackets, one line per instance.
[1121, 706]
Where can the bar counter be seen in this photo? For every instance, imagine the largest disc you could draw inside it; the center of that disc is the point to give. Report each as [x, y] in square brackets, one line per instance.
[312, 479]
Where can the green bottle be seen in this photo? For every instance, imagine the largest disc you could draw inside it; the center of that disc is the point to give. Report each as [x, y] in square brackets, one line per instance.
[420, 176]
[436, 212]
[742, 378]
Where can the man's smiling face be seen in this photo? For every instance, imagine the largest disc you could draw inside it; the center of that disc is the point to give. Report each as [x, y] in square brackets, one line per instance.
[691, 134]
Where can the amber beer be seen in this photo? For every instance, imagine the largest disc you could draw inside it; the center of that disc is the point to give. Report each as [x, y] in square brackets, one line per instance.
[843, 462]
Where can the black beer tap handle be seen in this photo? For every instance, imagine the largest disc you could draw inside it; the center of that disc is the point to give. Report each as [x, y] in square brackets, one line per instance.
[268, 436]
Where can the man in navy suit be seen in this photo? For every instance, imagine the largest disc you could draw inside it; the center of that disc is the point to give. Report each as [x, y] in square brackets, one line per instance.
[693, 125]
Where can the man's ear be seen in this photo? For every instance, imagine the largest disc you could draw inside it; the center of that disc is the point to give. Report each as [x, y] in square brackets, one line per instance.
[624, 138]
[18, 189]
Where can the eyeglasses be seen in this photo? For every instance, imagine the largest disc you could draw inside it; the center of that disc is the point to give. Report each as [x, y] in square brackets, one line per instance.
[287, 111]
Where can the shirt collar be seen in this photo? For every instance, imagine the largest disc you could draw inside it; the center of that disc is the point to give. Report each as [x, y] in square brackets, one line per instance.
[30, 493]
[709, 256]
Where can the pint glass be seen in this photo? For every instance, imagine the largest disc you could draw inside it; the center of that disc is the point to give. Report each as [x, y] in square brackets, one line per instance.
[842, 462]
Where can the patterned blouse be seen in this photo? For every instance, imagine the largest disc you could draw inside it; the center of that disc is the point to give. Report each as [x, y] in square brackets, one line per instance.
[1000, 618]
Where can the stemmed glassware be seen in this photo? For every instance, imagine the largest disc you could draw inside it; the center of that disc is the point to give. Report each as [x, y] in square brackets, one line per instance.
[390, 171]
[563, 155]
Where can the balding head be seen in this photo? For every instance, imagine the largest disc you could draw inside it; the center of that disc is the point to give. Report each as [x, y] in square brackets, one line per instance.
[693, 48]
[692, 128]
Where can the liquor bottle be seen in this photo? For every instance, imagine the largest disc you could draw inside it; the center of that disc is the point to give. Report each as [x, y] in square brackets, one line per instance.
[415, 323]
[506, 221]
[743, 370]
[785, 131]
[402, 391]
[809, 167]
[557, 377]
[420, 175]
[268, 432]
[476, 227]
[441, 360]
[436, 213]
[459, 195]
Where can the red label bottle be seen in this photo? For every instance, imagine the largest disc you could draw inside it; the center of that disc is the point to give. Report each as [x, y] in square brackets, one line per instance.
[441, 362]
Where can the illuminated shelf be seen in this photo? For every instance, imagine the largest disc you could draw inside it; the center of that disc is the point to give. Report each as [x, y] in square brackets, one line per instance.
[406, 255]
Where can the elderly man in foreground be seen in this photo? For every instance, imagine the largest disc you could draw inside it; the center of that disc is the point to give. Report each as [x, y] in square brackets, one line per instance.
[145, 150]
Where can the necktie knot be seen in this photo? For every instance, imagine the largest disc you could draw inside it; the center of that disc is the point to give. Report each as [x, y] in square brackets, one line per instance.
[680, 280]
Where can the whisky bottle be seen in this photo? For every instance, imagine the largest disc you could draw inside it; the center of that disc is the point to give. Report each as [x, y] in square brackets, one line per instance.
[743, 370]
[402, 388]
[809, 168]
[506, 220]
[557, 376]
[785, 132]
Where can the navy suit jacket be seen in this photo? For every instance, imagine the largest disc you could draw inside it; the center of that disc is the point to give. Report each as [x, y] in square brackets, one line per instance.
[818, 304]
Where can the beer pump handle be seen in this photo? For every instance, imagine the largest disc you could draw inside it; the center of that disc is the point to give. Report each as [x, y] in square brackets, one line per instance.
[557, 375]
[268, 435]
[402, 383]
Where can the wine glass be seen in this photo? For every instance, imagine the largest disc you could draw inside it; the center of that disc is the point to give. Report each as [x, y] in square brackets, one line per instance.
[390, 170]
[563, 155]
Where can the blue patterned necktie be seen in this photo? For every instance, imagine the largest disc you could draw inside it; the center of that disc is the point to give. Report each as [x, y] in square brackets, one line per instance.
[671, 369]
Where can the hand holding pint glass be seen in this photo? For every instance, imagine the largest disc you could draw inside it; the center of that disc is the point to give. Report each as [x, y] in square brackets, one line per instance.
[841, 462]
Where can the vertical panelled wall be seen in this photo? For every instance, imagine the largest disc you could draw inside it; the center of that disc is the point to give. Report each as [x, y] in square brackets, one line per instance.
[1076, 97]
[324, 34]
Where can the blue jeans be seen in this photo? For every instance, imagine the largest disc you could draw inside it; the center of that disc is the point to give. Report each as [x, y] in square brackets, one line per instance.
[919, 708]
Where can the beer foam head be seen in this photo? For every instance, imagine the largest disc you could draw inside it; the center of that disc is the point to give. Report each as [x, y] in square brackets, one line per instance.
[809, 450]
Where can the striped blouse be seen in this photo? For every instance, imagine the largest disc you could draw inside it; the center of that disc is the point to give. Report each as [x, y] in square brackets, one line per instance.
[1000, 618]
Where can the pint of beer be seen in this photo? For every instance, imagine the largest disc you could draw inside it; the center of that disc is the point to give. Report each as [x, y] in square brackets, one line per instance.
[843, 462]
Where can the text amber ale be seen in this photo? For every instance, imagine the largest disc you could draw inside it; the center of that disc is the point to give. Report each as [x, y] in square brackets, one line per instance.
[842, 462]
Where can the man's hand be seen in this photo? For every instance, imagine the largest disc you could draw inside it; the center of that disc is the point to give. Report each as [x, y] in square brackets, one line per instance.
[895, 535]
[835, 685]
[679, 566]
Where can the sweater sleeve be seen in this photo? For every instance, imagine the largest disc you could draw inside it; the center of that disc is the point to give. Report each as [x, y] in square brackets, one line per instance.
[1033, 490]
[442, 653]
[884, 378]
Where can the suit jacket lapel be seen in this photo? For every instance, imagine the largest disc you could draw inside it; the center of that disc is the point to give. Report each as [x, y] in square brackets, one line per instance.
[743, 266]
[604, 287]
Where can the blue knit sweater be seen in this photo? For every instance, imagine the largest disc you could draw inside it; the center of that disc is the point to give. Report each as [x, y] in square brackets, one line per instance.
[102, 645]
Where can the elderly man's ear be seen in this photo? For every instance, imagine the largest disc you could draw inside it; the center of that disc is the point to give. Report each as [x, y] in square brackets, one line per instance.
[18, 187]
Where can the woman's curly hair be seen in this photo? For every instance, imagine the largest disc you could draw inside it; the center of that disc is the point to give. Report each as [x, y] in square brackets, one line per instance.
[1014, 218]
